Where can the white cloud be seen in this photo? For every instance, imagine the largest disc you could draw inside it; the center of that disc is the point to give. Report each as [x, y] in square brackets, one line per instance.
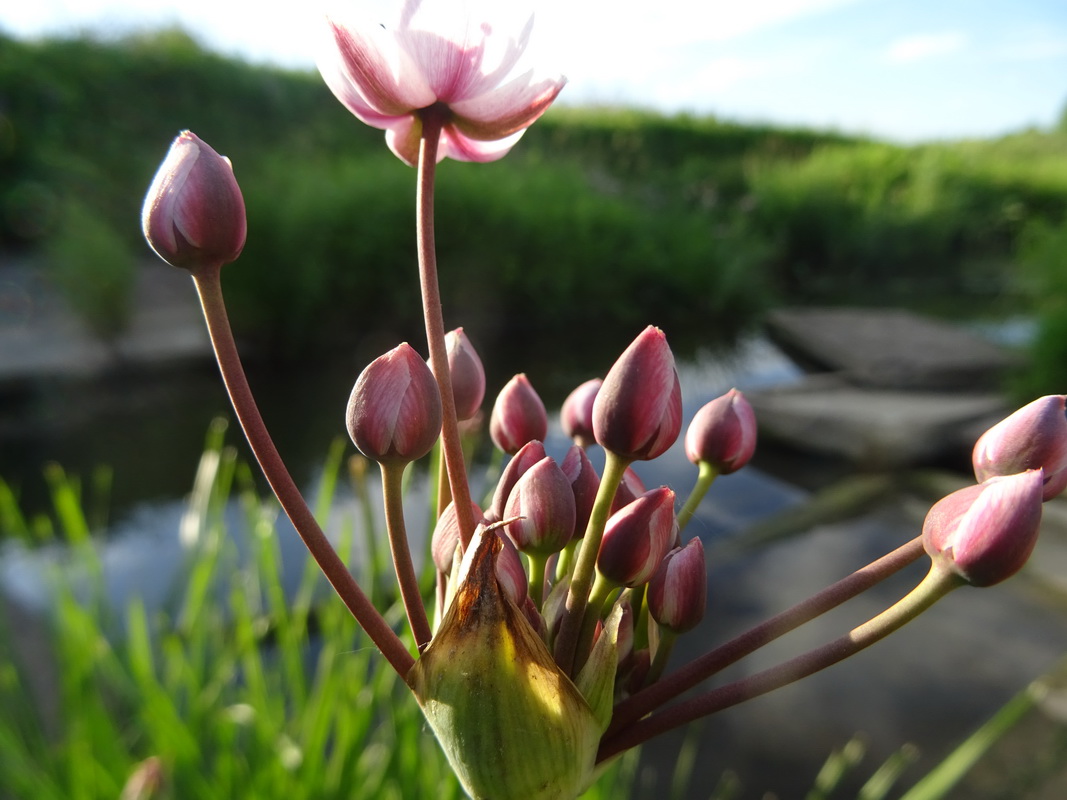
[922, 46]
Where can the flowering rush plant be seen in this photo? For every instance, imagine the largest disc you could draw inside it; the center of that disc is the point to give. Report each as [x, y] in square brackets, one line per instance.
[547, 650]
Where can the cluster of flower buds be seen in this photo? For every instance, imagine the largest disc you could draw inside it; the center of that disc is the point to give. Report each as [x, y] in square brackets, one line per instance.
[541, 507]
[558, 605]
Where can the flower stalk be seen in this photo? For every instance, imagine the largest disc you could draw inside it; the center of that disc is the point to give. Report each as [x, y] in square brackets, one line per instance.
[937, 583]
[432, 119]
[209, 288]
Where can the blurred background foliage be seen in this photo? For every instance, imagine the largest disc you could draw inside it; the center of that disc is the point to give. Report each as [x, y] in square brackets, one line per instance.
[709, 222]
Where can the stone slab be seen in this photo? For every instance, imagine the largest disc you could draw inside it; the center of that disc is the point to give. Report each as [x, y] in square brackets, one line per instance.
[875, 428]
[889, 348]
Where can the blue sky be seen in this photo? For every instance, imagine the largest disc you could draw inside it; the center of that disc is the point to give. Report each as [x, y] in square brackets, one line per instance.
[907, 70]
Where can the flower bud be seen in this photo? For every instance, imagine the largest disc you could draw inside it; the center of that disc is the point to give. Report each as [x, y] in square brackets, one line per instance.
[394, 413]
[678, 592]
[518, 416]
[445, 536]
[585, 484]
[512, 724]
[630, 488]
[723, 433]
[194, 214]
[541, 510]
[1034, 437]
[637, 537]
[576, 415]
[511, 573]
[637, 413]
[985, 533]
[468, 374]
[528, 455]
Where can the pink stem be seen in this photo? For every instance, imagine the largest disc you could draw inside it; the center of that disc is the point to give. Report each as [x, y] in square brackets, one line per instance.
[451, 445]
[209, 287]
[703, 667]
[934, 586]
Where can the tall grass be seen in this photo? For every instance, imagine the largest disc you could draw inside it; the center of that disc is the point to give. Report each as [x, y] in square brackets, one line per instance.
[240, 689]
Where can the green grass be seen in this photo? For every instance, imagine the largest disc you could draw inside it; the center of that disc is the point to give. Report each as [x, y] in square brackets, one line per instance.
[240, 690]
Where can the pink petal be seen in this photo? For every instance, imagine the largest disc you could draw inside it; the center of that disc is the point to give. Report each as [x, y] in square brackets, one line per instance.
[460, 147]
[508, 108]
[377, 67]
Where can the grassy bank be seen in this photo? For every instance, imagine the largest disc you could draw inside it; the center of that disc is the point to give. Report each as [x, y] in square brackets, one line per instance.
[708, 222]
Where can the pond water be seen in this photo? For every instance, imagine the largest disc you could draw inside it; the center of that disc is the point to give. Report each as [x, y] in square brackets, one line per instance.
[930, 684]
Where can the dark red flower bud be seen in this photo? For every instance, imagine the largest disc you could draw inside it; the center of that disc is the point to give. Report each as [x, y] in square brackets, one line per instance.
[723, 433]
[678, 592]
[518, 416]
[468, 374]
[637, 537]
[576, 416]
[445, 537]
[394, 413]
[541, 507]
[985, 533]
[630, 488]
[637, 413]
[528, 455]
[194, 214]
[1034, 437]
[585, 484]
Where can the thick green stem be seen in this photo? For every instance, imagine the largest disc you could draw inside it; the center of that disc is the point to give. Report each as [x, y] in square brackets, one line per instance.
[209, 287]
[538, 565]
[698, 670]
[667, 638]
[706, 475]
[937, 583]
[393, 493]
[451, 444]
[585, 565]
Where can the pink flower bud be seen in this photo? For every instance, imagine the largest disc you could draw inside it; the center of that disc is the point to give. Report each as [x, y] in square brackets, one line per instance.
[630, 488]
[528, 455]
[576, 416]
[1034, 437]
[637, 413]
[194, 214]
[510, 572]
[518, 416]
[543, 503]
[584, 484]
[723, 433]
[445, 537]
[394, 413]
[985, 533]
[637, 538]
[678, 592]
[468, 374]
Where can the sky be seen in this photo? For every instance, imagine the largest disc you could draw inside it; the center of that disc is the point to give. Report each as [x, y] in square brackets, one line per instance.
[904, 70]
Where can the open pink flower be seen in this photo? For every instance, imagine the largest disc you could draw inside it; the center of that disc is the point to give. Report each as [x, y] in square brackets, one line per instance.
[437, 57]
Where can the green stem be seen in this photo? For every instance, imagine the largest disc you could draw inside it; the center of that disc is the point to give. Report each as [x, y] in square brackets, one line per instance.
[937, 583]
[698, 670]
[585, 565]
[565, 562]
[667, 638]
[393, 493]
[538, 565]
[209, 287]
[432, 118]
[706, 475]
[639, 608]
